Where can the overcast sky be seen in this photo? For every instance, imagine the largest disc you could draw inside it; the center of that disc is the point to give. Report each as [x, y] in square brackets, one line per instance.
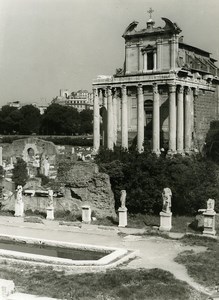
[46, 45]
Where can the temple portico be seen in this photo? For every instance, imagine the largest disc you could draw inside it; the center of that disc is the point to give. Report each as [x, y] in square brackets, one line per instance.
[166, 94]
[177, 97]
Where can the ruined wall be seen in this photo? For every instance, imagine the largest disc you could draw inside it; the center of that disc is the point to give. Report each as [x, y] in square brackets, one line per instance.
[20, 148]
[205, 111]
[82, 184]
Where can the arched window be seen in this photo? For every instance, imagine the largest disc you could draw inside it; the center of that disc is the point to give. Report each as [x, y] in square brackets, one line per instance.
[30, 152]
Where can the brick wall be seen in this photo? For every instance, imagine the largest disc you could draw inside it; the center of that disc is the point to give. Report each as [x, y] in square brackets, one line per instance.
[205, 111]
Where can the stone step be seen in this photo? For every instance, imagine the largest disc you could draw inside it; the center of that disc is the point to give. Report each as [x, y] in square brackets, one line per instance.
[6, 288]
[22, 296]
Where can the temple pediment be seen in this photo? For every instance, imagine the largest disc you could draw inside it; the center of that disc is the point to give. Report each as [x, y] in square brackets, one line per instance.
[169, 25]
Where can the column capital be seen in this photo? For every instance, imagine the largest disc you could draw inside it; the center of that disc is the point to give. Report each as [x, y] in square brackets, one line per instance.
[100, 93]
[140, 89]
[109, 91]
[172, 88]
[196, 91]
[114, 91]
[95, 91]
[187, 90]
[155, 88]
[181, 89]
[123, 88]
[159, 41]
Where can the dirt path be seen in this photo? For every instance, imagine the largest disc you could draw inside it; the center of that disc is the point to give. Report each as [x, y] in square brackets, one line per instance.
[154, 252]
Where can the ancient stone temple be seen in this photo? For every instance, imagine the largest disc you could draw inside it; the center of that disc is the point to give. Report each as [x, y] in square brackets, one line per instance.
[166, 93]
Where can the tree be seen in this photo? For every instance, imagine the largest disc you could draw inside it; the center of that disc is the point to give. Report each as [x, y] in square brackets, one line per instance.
[20, 174]
[192, 180]
[30, 119]
[7, 124]
[60, 120]
[86, 121]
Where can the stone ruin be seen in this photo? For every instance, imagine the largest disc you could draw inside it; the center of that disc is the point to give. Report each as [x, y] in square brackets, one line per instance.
[83, 184]
[39, 155]
[78, 183]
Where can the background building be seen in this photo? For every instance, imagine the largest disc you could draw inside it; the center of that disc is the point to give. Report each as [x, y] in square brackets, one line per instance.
[166, 93]
[18, 105]
[80, 100]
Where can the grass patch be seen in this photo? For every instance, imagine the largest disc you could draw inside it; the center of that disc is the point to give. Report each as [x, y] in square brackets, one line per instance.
[180, 223]
[7, 213]
[35, 213]
[67, 216]
[33, 219]
[204, 266]
[140, 284]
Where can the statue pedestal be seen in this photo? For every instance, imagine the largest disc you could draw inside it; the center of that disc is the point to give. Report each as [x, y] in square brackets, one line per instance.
[86, 214]
[209, 222]
[165, 221]
[19, 209]
[122, 216]
[50, 213]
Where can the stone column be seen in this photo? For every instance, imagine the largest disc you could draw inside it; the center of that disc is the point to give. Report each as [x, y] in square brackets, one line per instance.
[180, 119]
[155, 60]
[172, 118]
[140, 120]
[110, 129]
[188, 127]
[139, 58]
[104, 97]
[0, 156]
[115, 115]
[124, 121]
[127, 58]
[96, 124]
[194, 120]
[156, 120]
[159, 55]
[194, 97]
[145, 62]
[173, 53]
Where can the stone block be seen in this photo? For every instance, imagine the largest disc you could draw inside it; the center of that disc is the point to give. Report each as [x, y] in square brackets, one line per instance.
[165, 221]
[50, 213]
[86, 214]
[122, 216]
[19, 209]
[6, 288]
[209, 223]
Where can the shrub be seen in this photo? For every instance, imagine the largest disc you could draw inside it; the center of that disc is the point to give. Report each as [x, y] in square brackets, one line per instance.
[192, 180]
[20, 174]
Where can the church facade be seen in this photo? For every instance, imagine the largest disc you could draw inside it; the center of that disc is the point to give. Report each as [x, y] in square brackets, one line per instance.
[166, 93]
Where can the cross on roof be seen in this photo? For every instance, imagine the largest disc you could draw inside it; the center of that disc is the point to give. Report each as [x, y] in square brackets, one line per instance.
[150, 11]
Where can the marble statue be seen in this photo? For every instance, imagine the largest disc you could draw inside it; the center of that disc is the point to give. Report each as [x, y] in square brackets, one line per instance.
[19, 194]
[19, 205]
[123, 198]
[210, 204]
[166, 195]
[50, 199]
